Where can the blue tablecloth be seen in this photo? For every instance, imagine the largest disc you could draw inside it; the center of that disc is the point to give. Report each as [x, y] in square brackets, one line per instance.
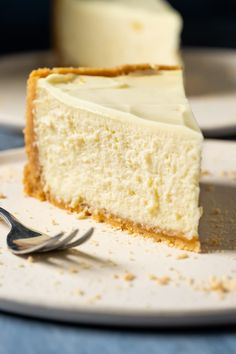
[20, 335]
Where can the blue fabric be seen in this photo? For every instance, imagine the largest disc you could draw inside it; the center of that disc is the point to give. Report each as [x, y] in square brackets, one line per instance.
[20, 335]
[10, 139]
[27, 336]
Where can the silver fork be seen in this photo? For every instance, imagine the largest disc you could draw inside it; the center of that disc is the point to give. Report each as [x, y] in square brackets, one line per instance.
[21, 240]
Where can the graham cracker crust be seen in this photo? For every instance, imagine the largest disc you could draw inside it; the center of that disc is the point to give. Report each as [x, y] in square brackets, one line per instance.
[170, 238]
[33, 184]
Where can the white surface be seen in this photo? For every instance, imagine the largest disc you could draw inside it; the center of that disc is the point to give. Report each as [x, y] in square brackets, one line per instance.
[210, 82]
[87, 284]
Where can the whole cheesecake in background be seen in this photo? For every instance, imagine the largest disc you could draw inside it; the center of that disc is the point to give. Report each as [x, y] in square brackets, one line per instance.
[106, 33]
[120, 144]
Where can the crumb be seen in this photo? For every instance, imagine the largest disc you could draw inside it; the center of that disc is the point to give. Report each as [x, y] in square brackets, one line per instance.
[111, 262]
[209, 188]
[129, 277]
[86, 266]
[115, 276]
[73, 270]
[54, 222]
[191, 281]
[80, 292]
[2, 196]
[205, 173]
[163, 280]
[160, 280]
[182, 256]
[21, 266]
[82, 215]
[216, 211]
[95, 298]
[218, 285]
[30, 259]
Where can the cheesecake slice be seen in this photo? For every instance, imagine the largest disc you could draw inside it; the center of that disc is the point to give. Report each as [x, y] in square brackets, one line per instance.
[119, 144]
[100, 33]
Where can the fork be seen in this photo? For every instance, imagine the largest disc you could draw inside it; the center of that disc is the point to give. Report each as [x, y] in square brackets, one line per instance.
[22, 240]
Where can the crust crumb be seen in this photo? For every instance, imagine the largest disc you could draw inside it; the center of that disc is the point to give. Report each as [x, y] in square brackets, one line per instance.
[209, 188]
[182, 256]
[222, 286]
[2, 196]
[205, 173]
[82, 215]
[30, 259]
[160, 280]
[163, 280]
[73, 270]
[129, 277]
[80, 292]
[216, 211]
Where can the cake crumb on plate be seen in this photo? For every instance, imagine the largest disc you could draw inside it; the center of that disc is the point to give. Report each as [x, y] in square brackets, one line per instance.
[129, 277]
[182, 256]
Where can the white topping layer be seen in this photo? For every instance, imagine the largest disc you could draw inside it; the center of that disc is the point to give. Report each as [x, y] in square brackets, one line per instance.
[151, 96]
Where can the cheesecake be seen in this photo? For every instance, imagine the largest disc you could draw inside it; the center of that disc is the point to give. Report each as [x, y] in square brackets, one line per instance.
[118, 144]
[107, 33]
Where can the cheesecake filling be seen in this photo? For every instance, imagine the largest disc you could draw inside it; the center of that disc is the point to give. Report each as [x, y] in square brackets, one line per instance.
[127, 145]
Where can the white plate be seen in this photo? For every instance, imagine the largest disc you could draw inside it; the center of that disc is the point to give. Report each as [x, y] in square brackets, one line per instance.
[88, 285]
[211, 87]
[210, 82]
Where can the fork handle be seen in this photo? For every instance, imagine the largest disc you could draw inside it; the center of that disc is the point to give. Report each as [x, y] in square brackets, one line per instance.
[8, 217]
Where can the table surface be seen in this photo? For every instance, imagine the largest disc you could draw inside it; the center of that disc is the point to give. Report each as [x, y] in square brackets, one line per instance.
[29, 336]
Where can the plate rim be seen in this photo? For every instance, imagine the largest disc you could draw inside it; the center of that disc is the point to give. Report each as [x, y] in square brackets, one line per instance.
[106, 317]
